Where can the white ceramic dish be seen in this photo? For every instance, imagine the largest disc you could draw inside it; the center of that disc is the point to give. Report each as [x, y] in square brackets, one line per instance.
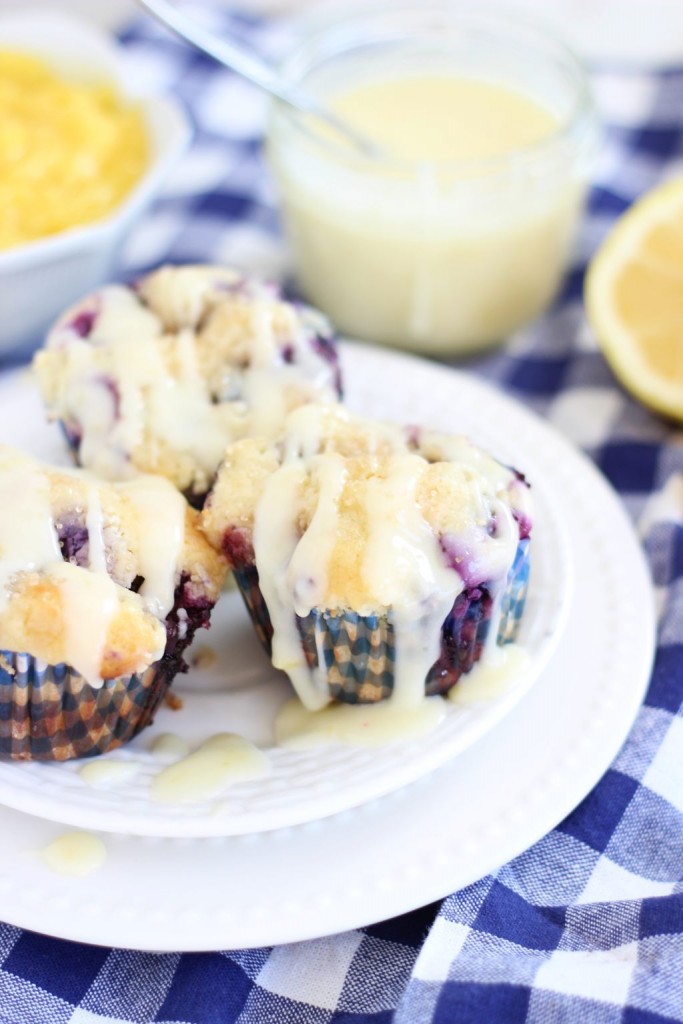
[41, 278]
[389, 855]
[242, 693]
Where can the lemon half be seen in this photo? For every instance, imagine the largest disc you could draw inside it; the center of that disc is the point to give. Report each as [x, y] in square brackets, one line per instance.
[634, 299]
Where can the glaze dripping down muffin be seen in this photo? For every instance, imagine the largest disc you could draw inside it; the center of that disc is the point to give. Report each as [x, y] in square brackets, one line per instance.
[159, 377]
[102, 587]
[375, 561]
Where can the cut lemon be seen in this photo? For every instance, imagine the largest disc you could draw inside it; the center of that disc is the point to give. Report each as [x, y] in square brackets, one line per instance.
[634, 299]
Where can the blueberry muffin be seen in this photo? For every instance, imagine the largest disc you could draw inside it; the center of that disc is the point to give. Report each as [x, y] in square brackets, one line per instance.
[159, 377]
[102, 587]
[376, 562]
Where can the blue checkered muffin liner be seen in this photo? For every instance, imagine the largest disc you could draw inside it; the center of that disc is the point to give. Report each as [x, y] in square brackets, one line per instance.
[50, 712]
[359, 650]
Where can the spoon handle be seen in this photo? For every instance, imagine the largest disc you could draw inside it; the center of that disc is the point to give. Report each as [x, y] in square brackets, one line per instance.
[249, 66]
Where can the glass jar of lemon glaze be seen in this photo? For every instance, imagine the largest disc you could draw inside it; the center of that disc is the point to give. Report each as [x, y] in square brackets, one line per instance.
[454, 231]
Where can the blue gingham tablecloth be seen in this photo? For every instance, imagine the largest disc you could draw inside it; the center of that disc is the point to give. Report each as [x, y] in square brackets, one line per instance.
[587, 926]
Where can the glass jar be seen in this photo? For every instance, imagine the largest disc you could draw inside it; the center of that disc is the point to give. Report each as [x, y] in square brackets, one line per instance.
[446, 257]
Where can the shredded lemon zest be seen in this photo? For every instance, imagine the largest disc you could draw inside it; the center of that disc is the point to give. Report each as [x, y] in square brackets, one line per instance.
[69, 152]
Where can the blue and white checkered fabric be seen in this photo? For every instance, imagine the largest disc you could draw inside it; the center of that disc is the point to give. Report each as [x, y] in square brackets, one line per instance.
[587, 926]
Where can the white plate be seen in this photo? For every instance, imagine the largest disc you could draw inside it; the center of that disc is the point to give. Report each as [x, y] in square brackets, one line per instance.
[242, 693]
[421, 842]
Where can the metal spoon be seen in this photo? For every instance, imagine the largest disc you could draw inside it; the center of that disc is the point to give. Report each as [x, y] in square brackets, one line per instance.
[251, 67]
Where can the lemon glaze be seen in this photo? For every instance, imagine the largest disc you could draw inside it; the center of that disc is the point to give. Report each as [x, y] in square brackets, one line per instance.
[161, 376]
[90, 598]
[443, 118]
[374, 725]
[345, 515]
[220, 761]
[446, 241]
[76, 854]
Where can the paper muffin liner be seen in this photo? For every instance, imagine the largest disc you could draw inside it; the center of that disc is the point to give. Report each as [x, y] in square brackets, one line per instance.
[359, 650]
[51, 713]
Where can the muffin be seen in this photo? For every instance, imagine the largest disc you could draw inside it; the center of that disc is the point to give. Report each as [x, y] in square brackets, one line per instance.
[102, 587]
[375, 562]
[160, 376]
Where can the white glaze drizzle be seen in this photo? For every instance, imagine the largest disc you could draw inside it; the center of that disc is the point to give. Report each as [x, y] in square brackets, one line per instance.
[275, 540]
[358, 725]
[109, 431]
[266, 383]
[262, 347]
[161, 514]
[176, 408]
[90, 597]
[404, 569]
[169, 748]
[97, 554]
[205, 773]
[316, 545]
[374, 725]
[28, 539]
[28, 542]
[146, 402]
[105, 773]
[76, 854]
[90, 601]
[497, 674]
[265, 394]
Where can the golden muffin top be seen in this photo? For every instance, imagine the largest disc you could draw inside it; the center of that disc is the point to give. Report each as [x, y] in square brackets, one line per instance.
[90, 570]
[361, 513]
[159, 377]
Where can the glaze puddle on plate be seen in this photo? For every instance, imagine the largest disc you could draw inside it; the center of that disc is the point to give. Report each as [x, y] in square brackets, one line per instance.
[169, 748]
[76, 854]
[506, 669]
[104, 771]
[364, 725]
[207, 772]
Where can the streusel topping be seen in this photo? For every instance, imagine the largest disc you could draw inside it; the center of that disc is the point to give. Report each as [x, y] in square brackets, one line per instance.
[161, 376]
[88, 570]
[345, 514]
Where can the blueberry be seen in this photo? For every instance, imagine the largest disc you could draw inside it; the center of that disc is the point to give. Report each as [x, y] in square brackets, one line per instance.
[237, 547]
[73, 542]
[83, 323]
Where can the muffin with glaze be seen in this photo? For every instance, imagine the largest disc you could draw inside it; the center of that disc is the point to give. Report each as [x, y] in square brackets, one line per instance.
[160, 376]
[375, 561]
[102, 587]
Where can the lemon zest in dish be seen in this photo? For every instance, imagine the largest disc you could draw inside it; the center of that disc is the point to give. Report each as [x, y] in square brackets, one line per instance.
[69, 152]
